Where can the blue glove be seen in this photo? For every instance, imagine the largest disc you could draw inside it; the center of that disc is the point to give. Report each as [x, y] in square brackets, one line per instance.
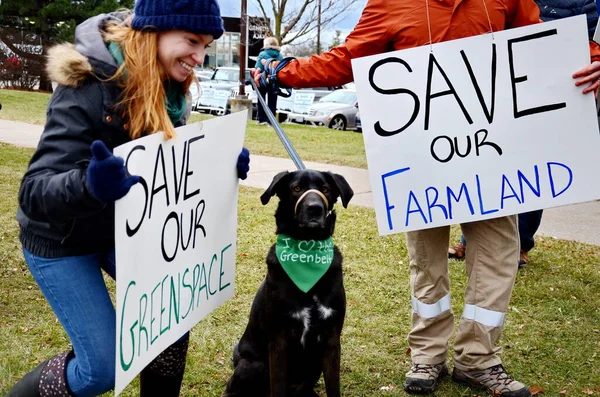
[243, 164]
[107, 177]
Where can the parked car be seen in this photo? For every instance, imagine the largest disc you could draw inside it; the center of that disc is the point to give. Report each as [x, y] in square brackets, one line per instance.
[358, 122]
[203, 74]
[336, 110]
[225, 78]
[195, 94]
[286, 104]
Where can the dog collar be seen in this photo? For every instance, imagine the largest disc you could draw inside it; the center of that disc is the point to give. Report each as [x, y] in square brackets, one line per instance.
[312, 191]
[304, 261]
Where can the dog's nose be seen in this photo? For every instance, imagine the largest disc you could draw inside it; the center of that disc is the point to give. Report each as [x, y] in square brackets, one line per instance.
[315, 209]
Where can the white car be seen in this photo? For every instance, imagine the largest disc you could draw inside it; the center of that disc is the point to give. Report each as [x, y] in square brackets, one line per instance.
[225, 78]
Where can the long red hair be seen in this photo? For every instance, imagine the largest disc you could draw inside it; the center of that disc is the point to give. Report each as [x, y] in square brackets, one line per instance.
[142, 77]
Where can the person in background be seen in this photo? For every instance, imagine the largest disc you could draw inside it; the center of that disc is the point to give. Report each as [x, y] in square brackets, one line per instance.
[270, 50]
[126, 77]
[398, 25]
[529, 222]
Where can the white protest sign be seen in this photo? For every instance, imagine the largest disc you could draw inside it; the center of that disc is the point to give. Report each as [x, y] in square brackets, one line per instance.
[478, 128]
[220, 98]
[175, 235]
[286, 104]
[206, 97]
[302, 102]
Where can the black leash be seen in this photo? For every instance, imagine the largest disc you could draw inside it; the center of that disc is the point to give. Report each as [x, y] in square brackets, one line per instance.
[284, 139]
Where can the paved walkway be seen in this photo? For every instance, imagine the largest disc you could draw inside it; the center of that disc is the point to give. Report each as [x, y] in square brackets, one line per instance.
[580, 222]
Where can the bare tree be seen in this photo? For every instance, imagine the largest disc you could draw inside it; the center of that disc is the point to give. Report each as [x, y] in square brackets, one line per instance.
[295, 19]
[300, 49]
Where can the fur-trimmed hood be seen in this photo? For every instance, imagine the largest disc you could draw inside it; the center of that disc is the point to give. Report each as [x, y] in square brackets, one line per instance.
[71, 64]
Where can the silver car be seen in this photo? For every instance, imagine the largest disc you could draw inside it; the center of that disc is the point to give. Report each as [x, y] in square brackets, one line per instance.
[336, 110]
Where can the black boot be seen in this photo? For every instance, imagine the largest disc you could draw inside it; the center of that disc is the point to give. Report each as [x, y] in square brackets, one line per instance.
[163, 376]
[49, 379]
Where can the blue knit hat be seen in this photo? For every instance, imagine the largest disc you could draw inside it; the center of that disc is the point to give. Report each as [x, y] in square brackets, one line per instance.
[198, 16]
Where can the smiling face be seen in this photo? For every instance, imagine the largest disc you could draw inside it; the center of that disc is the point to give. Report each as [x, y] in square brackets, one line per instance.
[179, 51]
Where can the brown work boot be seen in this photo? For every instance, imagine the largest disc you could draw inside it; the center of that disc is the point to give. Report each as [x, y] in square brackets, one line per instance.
[523, 259]
[457, 251]
[495, 379]
[424, 378]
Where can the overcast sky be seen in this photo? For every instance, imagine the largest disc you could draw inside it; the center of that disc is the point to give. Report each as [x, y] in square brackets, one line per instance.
[231, 8]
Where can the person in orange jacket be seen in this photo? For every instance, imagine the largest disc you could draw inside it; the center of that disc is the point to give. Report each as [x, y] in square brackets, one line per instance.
[387, 26]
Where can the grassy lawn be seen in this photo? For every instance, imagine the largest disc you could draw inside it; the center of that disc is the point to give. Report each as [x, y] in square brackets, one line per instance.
[28, 107]
[552, 332]
[318, 144]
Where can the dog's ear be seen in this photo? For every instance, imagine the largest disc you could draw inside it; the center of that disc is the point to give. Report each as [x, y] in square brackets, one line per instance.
[344, 188]
[270, 192]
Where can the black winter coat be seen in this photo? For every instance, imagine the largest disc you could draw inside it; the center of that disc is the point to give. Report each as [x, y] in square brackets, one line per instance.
[57, 214]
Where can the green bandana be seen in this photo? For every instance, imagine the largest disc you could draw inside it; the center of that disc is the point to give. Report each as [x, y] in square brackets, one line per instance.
[304, 261]
[175, 101]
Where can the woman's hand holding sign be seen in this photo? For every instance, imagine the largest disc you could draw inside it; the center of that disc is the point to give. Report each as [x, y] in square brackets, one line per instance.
[107, 177]
[589, 75]
[243, 164]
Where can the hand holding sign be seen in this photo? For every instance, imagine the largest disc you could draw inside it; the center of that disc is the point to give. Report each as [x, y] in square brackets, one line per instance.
[243, 164]
[107, 177]
[589, 75]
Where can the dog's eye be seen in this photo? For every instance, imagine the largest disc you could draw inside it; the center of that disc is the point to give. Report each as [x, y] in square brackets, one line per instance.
[296, 188]
[324, 189]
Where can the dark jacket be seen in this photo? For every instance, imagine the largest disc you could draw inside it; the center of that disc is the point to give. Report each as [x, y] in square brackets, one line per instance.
[551, 10]
[57, 214]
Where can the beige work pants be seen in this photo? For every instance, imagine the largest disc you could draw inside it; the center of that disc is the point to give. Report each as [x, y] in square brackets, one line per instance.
[491, 263]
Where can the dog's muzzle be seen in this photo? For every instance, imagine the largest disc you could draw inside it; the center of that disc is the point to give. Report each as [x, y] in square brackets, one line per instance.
[318, 193]
[314, 212]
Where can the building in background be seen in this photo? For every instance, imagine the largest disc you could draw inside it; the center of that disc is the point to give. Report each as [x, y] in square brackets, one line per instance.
[225, 52]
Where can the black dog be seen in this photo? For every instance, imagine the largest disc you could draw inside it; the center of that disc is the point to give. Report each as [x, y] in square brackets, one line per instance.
[293, 334]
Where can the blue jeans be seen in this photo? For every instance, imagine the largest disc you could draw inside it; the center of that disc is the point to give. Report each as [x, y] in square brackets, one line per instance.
[75, 290]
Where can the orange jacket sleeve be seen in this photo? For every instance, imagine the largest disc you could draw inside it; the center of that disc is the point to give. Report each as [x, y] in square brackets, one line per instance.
[594, 51]
[333, 68]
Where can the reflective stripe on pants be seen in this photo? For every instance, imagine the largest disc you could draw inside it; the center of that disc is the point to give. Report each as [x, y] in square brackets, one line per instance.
[491, 262]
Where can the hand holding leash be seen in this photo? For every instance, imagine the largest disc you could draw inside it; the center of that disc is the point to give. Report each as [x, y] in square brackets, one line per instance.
[268, 77]
[107, 177]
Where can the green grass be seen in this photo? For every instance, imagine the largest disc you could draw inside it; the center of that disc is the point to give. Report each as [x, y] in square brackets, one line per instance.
[318, 144]
[551, 338]
[552, 333]
[28, 107]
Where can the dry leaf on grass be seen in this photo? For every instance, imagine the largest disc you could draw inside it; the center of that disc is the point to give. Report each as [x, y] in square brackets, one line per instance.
[562, 392]
[535, 390]
[588, 392]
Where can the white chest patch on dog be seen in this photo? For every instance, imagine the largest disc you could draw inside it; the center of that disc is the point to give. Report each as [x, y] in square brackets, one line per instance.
[304, 316]
[324, 311]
